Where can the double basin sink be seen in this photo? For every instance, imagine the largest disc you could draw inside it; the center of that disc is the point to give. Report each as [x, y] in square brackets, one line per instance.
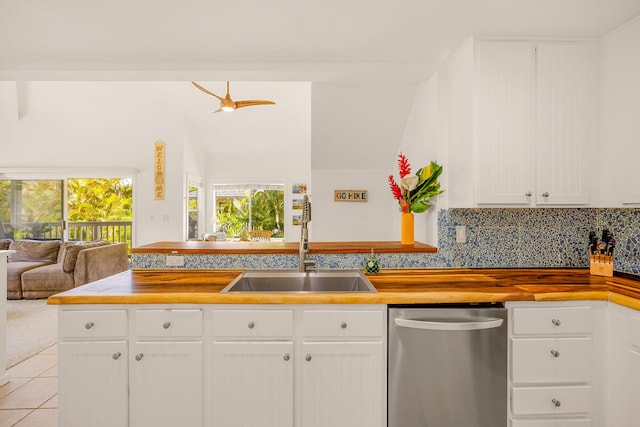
[276, 281]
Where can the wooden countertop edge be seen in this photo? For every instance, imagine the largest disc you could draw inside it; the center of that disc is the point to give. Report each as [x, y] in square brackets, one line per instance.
[273, 248]
[111, 290]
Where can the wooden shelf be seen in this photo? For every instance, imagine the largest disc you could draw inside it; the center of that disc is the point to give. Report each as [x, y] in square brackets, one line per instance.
[201, 247]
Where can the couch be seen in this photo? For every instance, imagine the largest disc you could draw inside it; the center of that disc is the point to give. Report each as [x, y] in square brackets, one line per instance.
[39, 269]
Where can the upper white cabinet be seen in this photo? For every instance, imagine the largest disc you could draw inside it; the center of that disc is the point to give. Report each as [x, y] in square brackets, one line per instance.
[526, 124]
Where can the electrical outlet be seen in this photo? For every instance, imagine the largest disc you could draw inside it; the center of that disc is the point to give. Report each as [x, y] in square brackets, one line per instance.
[461, 234]
[175, 261]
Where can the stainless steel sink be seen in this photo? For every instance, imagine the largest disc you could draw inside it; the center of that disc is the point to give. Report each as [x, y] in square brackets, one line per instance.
[323, 281]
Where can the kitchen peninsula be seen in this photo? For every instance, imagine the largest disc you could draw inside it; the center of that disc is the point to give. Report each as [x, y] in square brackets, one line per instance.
[167, 347]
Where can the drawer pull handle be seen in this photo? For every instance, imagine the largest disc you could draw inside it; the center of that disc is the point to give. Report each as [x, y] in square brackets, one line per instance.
[117, 355]
[286, 357]
[166, 325]
[251, 325]
[307, 358]
[139, 356]
[545, 194]
[343, 325]
[555, 353]
[528, 194]
[556, 403]
[556, 322]
[88, 325]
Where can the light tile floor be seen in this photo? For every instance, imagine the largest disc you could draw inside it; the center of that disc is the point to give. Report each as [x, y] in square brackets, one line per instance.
[30, 399]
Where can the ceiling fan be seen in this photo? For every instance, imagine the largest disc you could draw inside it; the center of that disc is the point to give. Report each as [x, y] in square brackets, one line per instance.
[227, 104]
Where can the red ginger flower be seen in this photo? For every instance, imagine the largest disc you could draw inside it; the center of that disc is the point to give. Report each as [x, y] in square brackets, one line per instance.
[395, 188]
[403, 166]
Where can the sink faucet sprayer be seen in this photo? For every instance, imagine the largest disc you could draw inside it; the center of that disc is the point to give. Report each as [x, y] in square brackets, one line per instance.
[305, 263]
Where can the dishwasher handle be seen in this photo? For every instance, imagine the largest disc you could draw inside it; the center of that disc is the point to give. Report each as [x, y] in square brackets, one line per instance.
[485, 323]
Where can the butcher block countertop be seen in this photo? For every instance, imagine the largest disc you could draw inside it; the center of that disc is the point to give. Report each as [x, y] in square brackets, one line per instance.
[264, 248]
[418, 286]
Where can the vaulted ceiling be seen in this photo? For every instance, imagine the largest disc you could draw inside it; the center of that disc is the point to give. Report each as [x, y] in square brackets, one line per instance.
[360, 55]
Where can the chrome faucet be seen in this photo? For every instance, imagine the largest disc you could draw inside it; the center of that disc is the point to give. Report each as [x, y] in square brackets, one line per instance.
[305, 263]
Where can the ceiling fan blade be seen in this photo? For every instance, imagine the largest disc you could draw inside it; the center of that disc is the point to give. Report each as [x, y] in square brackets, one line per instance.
[249, 103]
[206, 91]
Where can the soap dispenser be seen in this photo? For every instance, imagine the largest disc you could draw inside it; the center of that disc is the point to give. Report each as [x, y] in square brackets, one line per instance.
[372, 265]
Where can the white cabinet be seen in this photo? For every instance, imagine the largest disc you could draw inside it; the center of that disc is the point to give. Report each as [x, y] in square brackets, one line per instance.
[166, 375]
[93, 381]
[623, 366]
[304, 366]
[252, 384]
[116, 375]
[532, 120]
[4, 377]
[252, 367]
[166, 384]
[342, 385]
[556, 362]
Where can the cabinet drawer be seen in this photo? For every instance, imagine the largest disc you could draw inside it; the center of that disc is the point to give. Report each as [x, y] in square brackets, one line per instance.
[551, 423]
[252, 323]
[547, 360]
[169, 323]
[342, 323]
[552, 320]
[92, 323]
[551, 400]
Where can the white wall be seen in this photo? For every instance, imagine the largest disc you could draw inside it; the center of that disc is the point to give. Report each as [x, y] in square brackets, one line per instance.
[421, 144]
[620, 116]
[345, 221]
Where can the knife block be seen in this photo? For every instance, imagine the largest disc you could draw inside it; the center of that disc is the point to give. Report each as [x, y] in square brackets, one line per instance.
[601, 265]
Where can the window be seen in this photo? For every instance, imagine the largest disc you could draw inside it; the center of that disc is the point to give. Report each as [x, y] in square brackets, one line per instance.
[83, 209]
[194, 205]
[240, 209]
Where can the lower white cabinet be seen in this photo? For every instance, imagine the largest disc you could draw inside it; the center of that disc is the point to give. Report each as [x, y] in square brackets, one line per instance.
[302, 366]
[556, 363]
[623, 366]
[222, 366]
[252, 384]
[342, 385]
[93, 383]
[166, 384]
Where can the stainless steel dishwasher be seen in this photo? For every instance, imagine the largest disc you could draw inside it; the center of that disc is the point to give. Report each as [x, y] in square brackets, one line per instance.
[447, 366]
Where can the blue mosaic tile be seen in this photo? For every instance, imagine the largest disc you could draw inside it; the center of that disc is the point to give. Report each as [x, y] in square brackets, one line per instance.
[496, 237]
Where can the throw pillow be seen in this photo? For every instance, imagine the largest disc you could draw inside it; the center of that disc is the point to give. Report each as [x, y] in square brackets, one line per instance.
[4, 244]
[71, 254]
[34, 250]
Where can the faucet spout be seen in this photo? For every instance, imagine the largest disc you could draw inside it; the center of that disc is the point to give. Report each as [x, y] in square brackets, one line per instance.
[305, 263]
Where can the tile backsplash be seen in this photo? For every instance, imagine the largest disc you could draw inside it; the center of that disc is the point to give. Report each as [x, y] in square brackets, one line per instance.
[551, 237]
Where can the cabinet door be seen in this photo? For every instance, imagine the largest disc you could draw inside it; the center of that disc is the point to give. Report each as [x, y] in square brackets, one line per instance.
[167, 385]
[342, 384]
[565, 121]
[93, 384]
[252, 384]
[504, 123]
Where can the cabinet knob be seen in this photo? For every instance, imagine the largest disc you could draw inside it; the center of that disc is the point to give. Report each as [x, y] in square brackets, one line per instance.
[555, 353]
[139, 356]
[251, 325]
[307, 357]
[556, 403]
[166, 325]
[286, 357]
[545, 194]
[556, 322]
[343, 325]
[117, 355]
[88, 325]
[528, 194]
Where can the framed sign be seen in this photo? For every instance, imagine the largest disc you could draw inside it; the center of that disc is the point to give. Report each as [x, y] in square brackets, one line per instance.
[361, 196]
[158, 171]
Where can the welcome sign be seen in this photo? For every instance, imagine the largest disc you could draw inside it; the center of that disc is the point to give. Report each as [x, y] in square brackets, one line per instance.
[361, 196]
